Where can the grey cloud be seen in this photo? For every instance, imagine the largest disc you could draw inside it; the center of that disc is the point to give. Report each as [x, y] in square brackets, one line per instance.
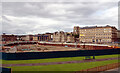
[22, 9]
[75, 13]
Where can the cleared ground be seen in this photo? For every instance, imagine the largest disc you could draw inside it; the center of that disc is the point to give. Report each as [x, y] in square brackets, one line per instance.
[41, 48]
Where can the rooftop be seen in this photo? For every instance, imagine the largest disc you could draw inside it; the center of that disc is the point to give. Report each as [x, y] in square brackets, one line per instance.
[97, 27]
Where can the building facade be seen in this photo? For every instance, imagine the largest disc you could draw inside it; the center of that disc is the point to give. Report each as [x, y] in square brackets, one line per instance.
[29, 38]
[9, 37]
[63, 37]
[118, 35]
[35, 38]
[98, 34]
[42, 37]
[21, 37]
[59, 36]
[76, 30]
[70, 38]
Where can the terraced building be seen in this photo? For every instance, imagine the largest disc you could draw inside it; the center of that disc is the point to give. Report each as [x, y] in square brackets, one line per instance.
[96, 34]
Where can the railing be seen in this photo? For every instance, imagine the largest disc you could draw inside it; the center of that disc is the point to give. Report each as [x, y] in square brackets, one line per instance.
[100, 68]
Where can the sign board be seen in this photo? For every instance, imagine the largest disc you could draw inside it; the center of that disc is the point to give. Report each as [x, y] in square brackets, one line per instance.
[82, 35]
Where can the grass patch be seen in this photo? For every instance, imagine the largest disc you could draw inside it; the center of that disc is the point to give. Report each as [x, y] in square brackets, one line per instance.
[63, 67]
[53, 59]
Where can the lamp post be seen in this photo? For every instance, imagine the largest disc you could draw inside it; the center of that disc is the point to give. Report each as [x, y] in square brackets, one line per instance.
[93, 56]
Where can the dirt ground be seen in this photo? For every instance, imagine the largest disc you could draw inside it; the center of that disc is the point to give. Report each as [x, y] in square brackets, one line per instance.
[43, 48]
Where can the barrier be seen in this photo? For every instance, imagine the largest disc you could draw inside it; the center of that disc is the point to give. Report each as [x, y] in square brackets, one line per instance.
[57, 54]
[87, 47]
[20, 43]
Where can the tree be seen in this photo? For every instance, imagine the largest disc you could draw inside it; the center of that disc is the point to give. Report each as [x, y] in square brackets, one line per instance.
[76, 35]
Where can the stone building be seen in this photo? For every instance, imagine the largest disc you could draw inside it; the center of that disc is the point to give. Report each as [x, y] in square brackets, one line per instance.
[70, 38]
[59, 36]
[76, 30]
[35, 38]
[63, 37]
[98, 34]
[29, 38]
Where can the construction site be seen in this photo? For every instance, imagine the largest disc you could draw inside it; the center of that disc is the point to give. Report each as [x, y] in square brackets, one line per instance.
[16, 47]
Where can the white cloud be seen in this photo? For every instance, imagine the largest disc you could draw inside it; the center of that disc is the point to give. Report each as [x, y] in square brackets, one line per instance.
[39, 21]
[112, 12]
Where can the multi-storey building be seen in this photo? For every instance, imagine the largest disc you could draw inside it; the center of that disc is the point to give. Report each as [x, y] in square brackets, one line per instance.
[98, 34]
[9, 37]
[70, 37]
[50, 36]
[0, 37]
[118, 35]
[59, 36]
[63, 37]
[21, 37]
[42, 37]
[35, 38]
[29, 37]
[76, 30]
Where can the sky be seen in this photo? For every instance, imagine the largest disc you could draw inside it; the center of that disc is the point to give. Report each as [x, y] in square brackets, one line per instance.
[42, 17]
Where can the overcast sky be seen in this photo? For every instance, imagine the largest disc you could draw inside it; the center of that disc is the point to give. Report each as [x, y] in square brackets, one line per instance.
[41, 17]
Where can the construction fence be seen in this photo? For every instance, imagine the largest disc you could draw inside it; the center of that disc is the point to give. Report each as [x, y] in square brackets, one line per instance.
[57, 54]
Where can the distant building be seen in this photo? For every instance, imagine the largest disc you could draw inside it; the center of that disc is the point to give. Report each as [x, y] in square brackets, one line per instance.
[63, 37]
[76, 30]
[0, 37]
[50, 36]
[35, 38]
[70, 38]
[59, 36]
[29, 38]
[98, 34]
[118, 35]
[42, 37]
[9, 37]
[21, 37]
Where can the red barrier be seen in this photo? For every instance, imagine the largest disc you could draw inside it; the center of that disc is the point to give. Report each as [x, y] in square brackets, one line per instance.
[86, 47]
